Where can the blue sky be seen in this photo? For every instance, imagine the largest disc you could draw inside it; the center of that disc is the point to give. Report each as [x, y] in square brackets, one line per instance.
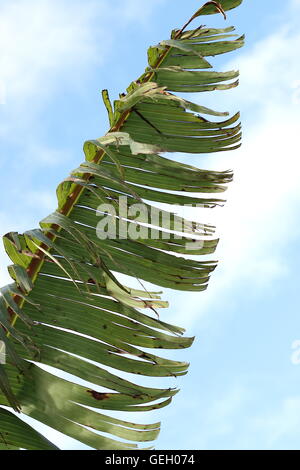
[243, 388]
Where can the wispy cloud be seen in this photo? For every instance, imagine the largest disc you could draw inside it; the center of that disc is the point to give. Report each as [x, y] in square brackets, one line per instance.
[235, 419]
[45, 44]
[281, 424]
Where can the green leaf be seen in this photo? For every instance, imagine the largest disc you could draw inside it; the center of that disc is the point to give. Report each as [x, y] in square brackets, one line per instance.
[78, 318]
[15, 434]
[210, 8]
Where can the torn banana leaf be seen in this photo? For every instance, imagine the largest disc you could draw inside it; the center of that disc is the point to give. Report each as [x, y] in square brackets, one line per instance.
[67, 307]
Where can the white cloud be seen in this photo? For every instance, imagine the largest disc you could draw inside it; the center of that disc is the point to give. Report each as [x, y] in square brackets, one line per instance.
[236, 420]
[295, 3]
[45, 43]
[133, 9]
[224, 408]
[41, 40]
[282, 423]
[45, 200]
